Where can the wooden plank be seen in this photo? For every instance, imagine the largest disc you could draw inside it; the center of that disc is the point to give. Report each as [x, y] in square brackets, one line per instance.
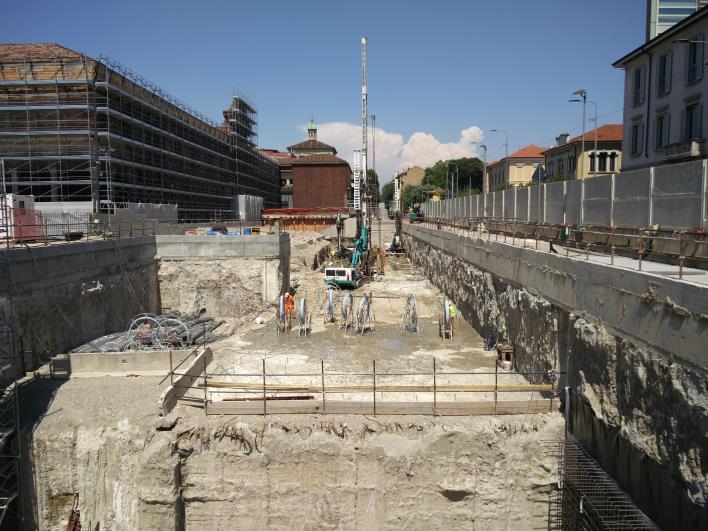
[285, 388]
[346, 407]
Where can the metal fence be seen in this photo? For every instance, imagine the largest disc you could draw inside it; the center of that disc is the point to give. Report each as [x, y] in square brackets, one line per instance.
[670, 197]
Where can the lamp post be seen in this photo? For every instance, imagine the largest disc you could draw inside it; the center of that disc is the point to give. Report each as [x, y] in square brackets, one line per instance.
[506, 151]
[583, 97]
[454, 179]
[485, 188]
[594, 120]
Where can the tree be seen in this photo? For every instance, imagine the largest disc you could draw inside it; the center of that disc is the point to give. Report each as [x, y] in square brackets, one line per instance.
[373, 179]
[415, 194]
[470, 174]
[387, 192]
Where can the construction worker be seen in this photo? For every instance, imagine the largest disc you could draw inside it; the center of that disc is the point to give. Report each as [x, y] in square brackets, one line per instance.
[289, 305]
[453, 316]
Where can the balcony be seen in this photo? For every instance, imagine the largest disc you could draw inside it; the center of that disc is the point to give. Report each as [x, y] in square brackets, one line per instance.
[686, 149]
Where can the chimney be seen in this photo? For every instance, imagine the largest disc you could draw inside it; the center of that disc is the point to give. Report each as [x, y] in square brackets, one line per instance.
[562, 139]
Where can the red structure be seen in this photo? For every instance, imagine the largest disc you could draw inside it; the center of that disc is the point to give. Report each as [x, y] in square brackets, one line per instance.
[311, 174]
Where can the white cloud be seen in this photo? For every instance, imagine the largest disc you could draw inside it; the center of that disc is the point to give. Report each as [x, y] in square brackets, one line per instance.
[393, 151]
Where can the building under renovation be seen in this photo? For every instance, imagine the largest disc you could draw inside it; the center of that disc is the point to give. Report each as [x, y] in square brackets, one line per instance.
[74, 128]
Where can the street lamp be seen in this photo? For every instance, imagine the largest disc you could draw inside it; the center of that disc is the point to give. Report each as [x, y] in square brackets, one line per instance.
[485, 188]
[506, 150]
[583, 97]
[594, 120]
[454, 187]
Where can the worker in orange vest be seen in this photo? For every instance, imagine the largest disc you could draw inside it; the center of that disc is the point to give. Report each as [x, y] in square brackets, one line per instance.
[289, 304]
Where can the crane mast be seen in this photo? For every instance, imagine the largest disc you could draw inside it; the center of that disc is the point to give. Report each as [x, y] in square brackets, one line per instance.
[364, 130]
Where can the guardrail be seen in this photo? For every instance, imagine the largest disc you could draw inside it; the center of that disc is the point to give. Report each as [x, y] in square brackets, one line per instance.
[264, 393]
[672, 246]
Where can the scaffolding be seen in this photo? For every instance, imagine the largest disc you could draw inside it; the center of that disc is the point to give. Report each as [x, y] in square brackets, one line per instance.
[74, 128]
[9, 403]
[588, 498]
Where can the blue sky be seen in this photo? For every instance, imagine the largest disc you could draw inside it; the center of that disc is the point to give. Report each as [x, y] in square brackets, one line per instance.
[435, 68]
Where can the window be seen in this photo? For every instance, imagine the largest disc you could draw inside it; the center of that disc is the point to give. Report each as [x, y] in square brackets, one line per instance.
[663, 82]
[636, 137]
[571, 163]
[602, 162]
[550, 168]
[695, 59]
[592, 162]
[638, 86]
[693, 116]
[560, 166]
[662, 131]
[613, 160]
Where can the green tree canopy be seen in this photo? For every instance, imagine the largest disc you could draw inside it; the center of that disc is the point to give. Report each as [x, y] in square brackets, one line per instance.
[415, 194]
[387, 192]
[470, 174]
[373, 179]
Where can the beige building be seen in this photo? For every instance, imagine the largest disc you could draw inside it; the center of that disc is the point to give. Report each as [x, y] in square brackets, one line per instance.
[413, 176]
[521, 167]
[567, 158]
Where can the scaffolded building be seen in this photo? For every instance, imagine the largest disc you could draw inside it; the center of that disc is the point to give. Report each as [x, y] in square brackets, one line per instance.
[73, 128]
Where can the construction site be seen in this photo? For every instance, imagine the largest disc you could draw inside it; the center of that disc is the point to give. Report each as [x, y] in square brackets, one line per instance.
[527, 359]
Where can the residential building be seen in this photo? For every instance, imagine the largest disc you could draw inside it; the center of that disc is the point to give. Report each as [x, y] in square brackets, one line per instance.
[78, 129]
[665, 91]
[567, 158]
[519, 168]
[663, 14]
[413, 176]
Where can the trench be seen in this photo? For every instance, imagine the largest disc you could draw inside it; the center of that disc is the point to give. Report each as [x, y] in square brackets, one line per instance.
[101, 437]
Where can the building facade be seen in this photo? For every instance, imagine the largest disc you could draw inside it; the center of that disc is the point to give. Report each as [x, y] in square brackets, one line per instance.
[665, 93]
[74, 128]
[413, 176]
[567, 158]
[663, 14]
[311, 174]
[519, 168]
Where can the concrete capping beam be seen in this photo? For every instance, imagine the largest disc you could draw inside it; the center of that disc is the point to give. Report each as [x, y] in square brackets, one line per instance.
[181, 385]
[141, 362]
[219, 247]
[666, 313]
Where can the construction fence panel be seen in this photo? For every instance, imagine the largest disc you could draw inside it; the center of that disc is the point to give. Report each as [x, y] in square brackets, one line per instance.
[522, 203]
[573, 196]
[631, 201]
[510, 203]
[678, 194]
[555, 199]
[498, 204]
[536, 201]
[597, 206]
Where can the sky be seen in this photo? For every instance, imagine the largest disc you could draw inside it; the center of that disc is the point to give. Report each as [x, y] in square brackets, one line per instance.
[441, 74]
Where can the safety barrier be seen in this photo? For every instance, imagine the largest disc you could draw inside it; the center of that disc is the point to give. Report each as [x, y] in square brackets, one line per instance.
[664, 197]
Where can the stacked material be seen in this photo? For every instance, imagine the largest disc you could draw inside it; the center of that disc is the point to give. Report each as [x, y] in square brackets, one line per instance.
[170, 330]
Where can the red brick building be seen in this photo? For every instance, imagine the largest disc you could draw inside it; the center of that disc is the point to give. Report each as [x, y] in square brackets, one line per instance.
[311, 174]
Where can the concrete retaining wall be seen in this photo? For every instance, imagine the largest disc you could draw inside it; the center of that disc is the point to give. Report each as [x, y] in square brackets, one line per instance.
[632, 343]
[187, 377]
[67, 294]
